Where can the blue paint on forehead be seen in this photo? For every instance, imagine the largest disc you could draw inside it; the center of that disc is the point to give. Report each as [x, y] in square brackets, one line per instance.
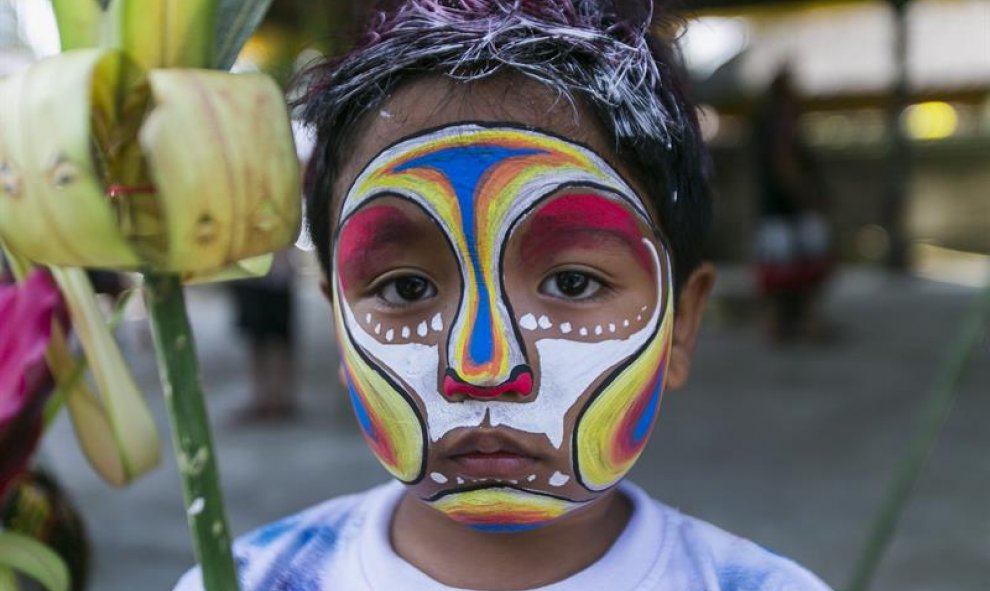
[465, 167]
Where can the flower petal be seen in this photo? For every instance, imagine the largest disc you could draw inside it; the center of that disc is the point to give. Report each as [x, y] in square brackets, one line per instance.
[26, 312]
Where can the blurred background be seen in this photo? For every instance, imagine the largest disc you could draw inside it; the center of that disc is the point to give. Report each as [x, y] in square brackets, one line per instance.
[850, 146]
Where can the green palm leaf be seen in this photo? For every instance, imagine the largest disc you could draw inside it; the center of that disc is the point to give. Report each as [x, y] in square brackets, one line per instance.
[236, 21]
[34, 559]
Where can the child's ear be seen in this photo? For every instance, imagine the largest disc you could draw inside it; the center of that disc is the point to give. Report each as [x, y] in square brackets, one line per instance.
[687, 321]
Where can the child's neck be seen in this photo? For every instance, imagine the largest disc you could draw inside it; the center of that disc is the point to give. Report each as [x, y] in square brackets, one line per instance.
[461, 557]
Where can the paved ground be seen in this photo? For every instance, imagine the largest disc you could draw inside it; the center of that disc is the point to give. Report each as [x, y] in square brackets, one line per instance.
[791, 447]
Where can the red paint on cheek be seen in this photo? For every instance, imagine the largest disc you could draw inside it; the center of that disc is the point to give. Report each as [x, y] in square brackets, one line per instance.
[583, 221]
[369, 236]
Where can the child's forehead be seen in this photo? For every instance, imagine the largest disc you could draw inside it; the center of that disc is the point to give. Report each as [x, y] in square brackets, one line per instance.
[434, 102]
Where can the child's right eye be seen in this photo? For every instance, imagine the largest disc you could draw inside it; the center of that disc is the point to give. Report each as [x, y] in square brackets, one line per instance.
[407, 289]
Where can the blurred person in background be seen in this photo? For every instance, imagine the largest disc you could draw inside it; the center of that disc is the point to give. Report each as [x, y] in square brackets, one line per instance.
[264, 315]
[264, 310]
[793, 237]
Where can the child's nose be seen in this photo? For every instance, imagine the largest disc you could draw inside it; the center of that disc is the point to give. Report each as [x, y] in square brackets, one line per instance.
[484, 357]
[519, 386]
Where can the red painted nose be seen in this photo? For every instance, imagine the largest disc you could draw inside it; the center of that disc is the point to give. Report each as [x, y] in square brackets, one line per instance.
[522, 384]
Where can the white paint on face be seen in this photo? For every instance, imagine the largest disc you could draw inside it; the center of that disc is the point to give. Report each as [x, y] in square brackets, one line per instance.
[611, 327]
[378, 328]
[437, 323]
[567, 369]
[559, 479]
[531, 478]
[367, 318]
[460, 480]
[405, 332]
[422, 329]
[438, 478]
[528, 322]
[565, 328]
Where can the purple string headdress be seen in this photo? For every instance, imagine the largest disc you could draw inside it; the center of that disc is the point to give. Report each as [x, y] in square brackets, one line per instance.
[473, 39]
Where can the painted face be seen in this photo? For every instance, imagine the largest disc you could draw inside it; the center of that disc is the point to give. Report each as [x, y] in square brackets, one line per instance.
[503, 303]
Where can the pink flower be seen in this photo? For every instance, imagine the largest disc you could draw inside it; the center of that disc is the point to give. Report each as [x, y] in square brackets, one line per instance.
[27, 311]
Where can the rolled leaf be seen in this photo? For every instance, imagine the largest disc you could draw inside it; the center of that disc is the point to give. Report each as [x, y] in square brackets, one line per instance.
[32, 558]
[125, 415]
[220, 152]
[89, 418]
[168, 33]
[53, 207]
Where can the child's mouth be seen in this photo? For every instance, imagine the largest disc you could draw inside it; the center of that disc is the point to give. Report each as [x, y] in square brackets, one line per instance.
[498, 464]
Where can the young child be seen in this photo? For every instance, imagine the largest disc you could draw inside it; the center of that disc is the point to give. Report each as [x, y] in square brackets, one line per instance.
[508, 200]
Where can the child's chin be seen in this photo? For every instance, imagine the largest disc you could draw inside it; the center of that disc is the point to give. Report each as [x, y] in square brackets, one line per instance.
[502, 509]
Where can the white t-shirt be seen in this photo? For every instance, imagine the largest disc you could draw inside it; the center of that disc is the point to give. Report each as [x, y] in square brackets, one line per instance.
[343, 545]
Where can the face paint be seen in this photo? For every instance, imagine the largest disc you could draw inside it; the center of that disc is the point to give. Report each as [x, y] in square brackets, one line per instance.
[566, 389]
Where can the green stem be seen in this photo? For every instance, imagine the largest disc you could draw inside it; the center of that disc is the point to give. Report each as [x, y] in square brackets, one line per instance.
[191, 437]
[8, 582]
[974, 331]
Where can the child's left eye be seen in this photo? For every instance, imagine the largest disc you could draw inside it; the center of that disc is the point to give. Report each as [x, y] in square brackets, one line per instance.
[571, 285]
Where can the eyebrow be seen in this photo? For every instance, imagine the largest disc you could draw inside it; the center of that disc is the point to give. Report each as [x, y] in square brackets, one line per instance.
[583, 220]
[369, 234]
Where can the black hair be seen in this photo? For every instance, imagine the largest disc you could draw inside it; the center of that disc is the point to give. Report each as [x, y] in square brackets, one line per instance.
[611, 55]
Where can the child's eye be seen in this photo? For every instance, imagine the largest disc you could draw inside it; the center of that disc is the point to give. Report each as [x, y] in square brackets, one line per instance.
[407, 289]
[571, 285]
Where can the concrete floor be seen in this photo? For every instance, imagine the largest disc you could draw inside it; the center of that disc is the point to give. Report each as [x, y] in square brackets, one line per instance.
[790, 447]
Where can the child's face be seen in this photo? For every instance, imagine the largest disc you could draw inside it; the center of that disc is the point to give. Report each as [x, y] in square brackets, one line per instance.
[504, 302]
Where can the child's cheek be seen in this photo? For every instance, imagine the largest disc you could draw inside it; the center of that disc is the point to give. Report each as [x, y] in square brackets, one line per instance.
[388, 418]
[613, 429]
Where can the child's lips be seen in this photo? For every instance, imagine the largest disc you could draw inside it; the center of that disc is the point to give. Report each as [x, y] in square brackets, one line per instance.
[499, 464]
[491, 453]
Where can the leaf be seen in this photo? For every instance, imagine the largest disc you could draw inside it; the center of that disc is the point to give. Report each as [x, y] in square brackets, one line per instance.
[34, 559]
[220, 151]
[80, 23]
[119, 436]
[168, 33]
[236, 21]
[53, 206]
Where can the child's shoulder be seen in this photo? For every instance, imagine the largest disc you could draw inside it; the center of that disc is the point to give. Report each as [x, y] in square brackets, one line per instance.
[700, 551]
[296, 551]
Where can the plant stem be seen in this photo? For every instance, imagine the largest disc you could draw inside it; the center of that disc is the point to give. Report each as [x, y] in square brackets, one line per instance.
[191, 437]
[974, 330]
